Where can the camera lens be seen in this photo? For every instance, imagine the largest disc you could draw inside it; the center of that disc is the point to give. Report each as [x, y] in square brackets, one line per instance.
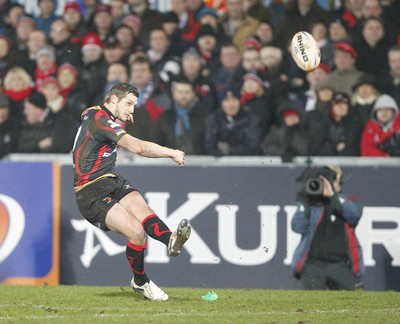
[314, 185]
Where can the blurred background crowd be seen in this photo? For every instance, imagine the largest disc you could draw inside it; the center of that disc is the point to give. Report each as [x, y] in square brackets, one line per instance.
[215, 77]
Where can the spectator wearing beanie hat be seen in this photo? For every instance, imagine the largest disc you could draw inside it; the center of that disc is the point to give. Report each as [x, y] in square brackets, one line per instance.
[365, 93]
[289, 137]
[345, 74]
[231, 130]
[9, 128]
[67, 77]
[25, 25]
[93, 74]
[193, 70]
[75, 21]
[134, 22]
[208, 16]
[170, 23]
[335, 129]
[45, 65]
[51, 91]
[102, 22]
[113, 51]
[344, 127]
[65, 119]
[207, 45]
[38, 126]
[381, 135]
[70, 89]
[257, 102]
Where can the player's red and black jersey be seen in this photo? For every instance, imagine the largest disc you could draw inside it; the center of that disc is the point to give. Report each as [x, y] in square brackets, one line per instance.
[95, 146]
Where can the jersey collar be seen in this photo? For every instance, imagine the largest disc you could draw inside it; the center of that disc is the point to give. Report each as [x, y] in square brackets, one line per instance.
[108, 112]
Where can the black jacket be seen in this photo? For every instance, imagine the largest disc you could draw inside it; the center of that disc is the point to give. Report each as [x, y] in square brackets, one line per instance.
[242, 133]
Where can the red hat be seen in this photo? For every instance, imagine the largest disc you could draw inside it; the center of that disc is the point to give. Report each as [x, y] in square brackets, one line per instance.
[254, 77]
[252, 43]
[72, 5]
[102, 8]
[132, 20]
[67, 66]
[346, 47]
[324, 67]
[290, 112]
[26, 19]
[91, 40]
[48, 80]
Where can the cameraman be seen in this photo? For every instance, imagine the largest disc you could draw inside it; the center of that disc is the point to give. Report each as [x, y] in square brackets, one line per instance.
[328, 255]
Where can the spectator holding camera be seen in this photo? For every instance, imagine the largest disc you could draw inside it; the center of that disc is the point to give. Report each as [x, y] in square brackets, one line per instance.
[328, 255]
[381, 134]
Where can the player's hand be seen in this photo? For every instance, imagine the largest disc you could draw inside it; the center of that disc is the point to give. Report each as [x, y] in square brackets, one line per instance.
[178, 157]
[328, 190]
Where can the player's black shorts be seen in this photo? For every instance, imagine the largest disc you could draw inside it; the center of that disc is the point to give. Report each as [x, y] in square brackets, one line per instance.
[95, 200]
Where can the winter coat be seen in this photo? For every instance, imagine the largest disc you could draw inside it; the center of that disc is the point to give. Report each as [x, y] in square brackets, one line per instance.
[32, 134]
[242, 134]
[9, 132]
[286, 142]
[192, 141]
[375, 134]
[326, 133]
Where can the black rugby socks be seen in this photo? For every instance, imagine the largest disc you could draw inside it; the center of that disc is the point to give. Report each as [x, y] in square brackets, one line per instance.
[156, 228]
[135, 255]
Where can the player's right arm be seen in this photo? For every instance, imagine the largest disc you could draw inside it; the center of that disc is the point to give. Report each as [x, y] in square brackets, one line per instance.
[150, 149]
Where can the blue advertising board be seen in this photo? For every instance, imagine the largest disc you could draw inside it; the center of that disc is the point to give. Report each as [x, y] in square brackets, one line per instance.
[29, 223]
[241, 234]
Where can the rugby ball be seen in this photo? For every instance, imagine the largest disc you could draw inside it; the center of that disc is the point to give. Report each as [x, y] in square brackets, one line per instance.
[305, 51]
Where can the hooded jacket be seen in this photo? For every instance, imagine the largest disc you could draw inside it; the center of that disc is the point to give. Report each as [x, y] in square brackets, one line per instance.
[375, 133]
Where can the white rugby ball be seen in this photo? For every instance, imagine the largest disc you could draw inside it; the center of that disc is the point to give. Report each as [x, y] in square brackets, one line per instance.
[305, 51]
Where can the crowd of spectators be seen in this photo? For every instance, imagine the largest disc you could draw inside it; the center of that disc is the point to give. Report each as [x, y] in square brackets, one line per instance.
[212, 80]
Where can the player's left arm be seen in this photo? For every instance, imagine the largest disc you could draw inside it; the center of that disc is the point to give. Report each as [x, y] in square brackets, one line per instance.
[150, 149]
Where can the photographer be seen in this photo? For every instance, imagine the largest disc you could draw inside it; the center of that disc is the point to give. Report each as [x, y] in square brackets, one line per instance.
[328, 255]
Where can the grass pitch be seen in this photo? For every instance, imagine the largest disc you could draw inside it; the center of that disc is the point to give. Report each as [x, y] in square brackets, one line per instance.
[83, 304]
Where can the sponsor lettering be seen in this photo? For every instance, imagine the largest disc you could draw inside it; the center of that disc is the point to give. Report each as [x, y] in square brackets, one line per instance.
[302, 48]
[228, 249]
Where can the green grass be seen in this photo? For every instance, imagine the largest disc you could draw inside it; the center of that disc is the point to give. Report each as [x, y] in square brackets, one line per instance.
[78, 304]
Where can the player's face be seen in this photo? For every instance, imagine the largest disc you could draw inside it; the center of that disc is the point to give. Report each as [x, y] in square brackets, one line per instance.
[125, 108]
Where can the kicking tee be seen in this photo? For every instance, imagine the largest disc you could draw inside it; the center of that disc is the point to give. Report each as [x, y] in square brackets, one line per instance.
[95, 146]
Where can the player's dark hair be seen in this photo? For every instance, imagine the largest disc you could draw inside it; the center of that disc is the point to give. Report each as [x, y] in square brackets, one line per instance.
[121, 90]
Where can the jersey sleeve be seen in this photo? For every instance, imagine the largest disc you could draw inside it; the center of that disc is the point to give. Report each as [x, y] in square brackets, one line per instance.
[105, 128]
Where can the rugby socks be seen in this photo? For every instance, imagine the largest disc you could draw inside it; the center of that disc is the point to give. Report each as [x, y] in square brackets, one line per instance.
[135, 255]
[156, 228]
